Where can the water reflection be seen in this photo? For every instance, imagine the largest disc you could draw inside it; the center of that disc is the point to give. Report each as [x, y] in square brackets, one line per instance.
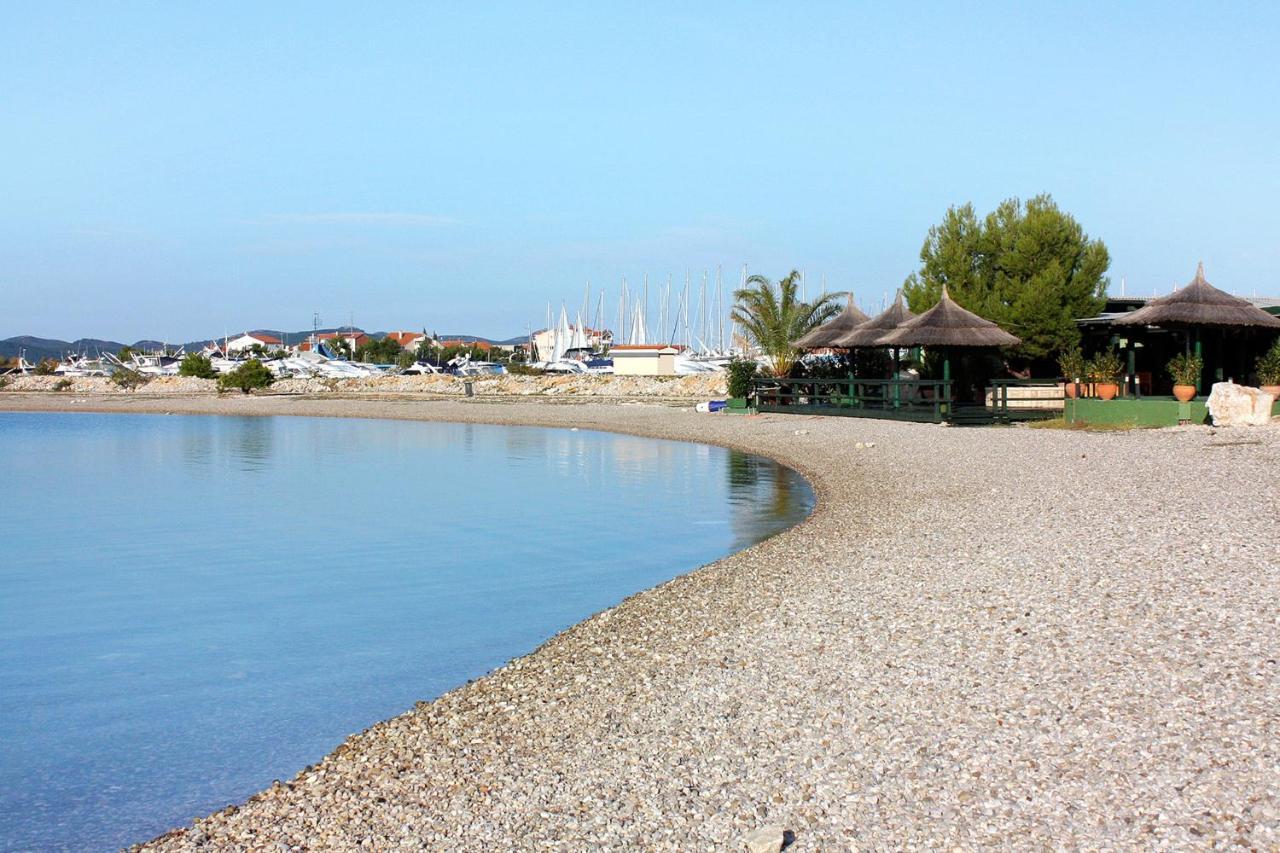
[152, 669]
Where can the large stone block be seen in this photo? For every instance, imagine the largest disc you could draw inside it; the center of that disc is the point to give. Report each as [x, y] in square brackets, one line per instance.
[1239, 405]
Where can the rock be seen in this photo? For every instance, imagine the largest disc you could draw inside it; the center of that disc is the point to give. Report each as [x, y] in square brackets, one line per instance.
[1239, 405]
[766, 839]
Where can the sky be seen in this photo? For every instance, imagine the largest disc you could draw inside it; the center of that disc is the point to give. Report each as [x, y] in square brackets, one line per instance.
[181, 170]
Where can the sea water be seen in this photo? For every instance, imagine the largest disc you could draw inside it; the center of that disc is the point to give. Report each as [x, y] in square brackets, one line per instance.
[193, 607]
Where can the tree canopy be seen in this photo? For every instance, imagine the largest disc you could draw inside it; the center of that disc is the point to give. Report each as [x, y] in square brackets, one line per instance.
[1028, 267]
[773, 317]
[380, 351]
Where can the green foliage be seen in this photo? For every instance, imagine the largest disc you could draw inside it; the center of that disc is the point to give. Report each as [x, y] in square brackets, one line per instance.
[130, 380]
[62, 385]
[772, 317]
[252, 374]
[521, 369]
[340, 347]
[1030, 268]
[1072, 364]
[1185, 368]
[741, 371]
[45, 367]
[126, 353]
[197, 365]
[1105, 367]
[1269, 365]
[382, 351]
[426, 351]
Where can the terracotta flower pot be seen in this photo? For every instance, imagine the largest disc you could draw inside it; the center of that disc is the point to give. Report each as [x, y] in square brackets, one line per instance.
[1069, 390]
[1107, 390]
[1184, 393]
[1271, 389]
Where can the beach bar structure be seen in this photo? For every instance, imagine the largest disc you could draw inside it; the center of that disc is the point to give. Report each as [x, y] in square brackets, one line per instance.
[828, 335]
[1228, 332]
[946, 328]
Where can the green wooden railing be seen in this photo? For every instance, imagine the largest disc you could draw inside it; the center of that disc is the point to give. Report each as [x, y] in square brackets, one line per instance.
[924, 400]
[902, 399]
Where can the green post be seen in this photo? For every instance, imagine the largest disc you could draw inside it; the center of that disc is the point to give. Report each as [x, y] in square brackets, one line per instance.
[1133, 370]
[946, 383]
[1200, 355]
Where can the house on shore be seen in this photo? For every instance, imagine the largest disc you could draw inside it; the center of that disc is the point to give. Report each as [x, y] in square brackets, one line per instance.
[249, 340]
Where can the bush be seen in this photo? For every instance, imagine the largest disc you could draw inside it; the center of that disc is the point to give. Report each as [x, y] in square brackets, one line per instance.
[741, 372]
[1072, 364]
[62, 385]
[130, 380]
[1269, 366]
[1185, 368]
[197, 365]
[252, 374]
[1105, 367]
[46, 367]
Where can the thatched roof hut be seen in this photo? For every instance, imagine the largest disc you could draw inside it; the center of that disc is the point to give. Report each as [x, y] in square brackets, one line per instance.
[869, 333]
[1199, 304]
[948, 325]
[825, 335]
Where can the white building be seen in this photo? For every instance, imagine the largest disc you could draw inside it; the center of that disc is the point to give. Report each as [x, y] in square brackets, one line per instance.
[249, 340]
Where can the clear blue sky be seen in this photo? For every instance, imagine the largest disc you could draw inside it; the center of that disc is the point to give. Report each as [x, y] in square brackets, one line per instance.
[172, 170]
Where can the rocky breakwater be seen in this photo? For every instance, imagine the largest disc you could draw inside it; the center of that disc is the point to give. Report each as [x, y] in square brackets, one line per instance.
[700, 387]
[166, 385]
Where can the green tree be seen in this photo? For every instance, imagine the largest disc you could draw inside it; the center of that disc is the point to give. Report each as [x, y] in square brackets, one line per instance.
[126, 353]
[46, 367]
[381, 351]
[772, 316]
[1029, 267]
[252, 374]
[197, 365]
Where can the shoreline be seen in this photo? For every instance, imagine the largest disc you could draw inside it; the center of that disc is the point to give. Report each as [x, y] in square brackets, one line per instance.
[931, 657]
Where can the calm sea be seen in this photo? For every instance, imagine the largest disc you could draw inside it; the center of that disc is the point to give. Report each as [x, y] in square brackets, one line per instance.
[192, 607]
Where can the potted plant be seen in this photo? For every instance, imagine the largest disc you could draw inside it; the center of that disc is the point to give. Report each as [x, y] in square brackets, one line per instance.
[1269, 370]
[1072, 365]
[1185, 368]
[741, 371]
[1104, 371]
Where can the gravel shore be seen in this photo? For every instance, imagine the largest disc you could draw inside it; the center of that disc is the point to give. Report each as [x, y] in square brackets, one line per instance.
[998, 637]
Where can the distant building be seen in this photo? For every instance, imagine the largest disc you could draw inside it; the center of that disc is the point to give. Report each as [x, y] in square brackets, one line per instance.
[249, 340]
[644, 359]
[596, 339]
[354, 338]
[409, 340]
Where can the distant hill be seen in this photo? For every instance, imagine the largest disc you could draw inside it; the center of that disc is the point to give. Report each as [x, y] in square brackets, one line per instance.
[38, 348]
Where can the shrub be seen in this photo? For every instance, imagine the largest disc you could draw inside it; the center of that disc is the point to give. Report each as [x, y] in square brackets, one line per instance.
[741, 372]
[4, 381]
[130, 380]
[1105, 367]
[1072, 364]
[1185, 368]
[252, 374]
[62, 385]
[46, 367]
[1269, 365]
[197, 365]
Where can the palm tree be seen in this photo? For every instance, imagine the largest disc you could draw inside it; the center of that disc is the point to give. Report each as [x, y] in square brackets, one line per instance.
[773, 317]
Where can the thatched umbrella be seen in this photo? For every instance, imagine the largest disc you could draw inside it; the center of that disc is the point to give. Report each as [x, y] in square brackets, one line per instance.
[824, 336]
[947, 325]
[868, 334]
[1196, 306]
[1200, 304]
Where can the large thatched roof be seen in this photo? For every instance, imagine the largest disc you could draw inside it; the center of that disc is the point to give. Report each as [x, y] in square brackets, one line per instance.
[869, 333]
[825, 335]
[1199, 304]
[948, 325]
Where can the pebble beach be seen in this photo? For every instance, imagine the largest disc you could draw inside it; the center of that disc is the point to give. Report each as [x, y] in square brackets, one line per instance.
[986, 637]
